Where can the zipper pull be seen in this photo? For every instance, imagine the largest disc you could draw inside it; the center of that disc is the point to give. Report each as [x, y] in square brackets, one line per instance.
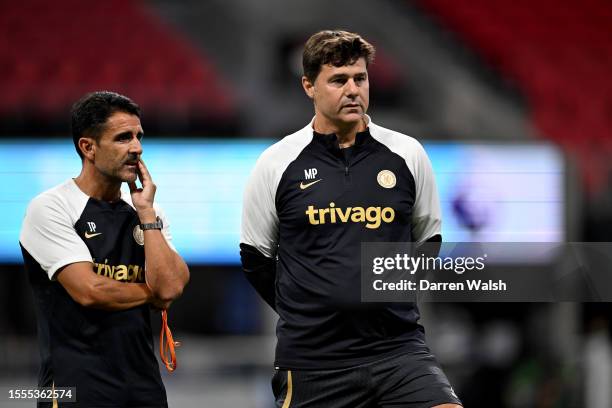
[346, 172]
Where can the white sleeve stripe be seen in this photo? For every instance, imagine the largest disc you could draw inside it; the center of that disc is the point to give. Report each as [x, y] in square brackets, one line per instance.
[48, 232]
[259, 216]
[426, 218]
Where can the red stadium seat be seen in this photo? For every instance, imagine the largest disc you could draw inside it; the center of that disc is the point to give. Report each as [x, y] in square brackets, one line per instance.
[54, 52]
[559, 53]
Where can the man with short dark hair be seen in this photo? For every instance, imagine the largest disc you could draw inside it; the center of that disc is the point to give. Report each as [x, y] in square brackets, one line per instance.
[311, 201]
[84, 245]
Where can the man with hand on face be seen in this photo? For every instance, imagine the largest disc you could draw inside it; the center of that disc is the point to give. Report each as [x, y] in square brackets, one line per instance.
[311, 201]
[84, 245]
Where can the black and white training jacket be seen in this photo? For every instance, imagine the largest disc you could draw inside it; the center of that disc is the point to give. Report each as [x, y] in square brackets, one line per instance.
[308, 206]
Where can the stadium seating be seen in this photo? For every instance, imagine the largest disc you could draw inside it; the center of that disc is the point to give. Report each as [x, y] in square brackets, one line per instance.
[560, 55]
[53, 52]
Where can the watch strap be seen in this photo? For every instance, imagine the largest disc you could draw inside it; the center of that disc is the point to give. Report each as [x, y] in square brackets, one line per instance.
[158, 225]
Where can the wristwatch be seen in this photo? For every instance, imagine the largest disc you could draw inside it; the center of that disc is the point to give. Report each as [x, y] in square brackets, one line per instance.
[158, 225]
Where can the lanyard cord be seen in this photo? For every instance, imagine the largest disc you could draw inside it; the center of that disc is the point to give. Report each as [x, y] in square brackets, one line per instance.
[167, 345]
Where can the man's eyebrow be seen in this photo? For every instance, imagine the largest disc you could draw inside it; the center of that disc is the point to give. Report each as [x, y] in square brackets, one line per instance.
[128, 134]
[122, 134]
[345, 76]
[338, 76]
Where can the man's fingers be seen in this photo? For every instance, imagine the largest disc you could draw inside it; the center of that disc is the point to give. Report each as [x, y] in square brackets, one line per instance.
[132, 185]
[143, 173]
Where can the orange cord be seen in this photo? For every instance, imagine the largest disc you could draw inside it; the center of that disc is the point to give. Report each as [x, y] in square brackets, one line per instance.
[166, 349]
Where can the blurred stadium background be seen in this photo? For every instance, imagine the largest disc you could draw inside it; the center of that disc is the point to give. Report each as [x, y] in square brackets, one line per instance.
[219, 80]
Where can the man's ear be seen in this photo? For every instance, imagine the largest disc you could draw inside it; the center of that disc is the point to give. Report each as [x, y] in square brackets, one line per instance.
[308, 87]
[86, 145]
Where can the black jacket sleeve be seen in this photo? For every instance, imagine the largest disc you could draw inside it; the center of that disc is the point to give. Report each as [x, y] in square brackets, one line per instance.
[431, 247]
[260, 272]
